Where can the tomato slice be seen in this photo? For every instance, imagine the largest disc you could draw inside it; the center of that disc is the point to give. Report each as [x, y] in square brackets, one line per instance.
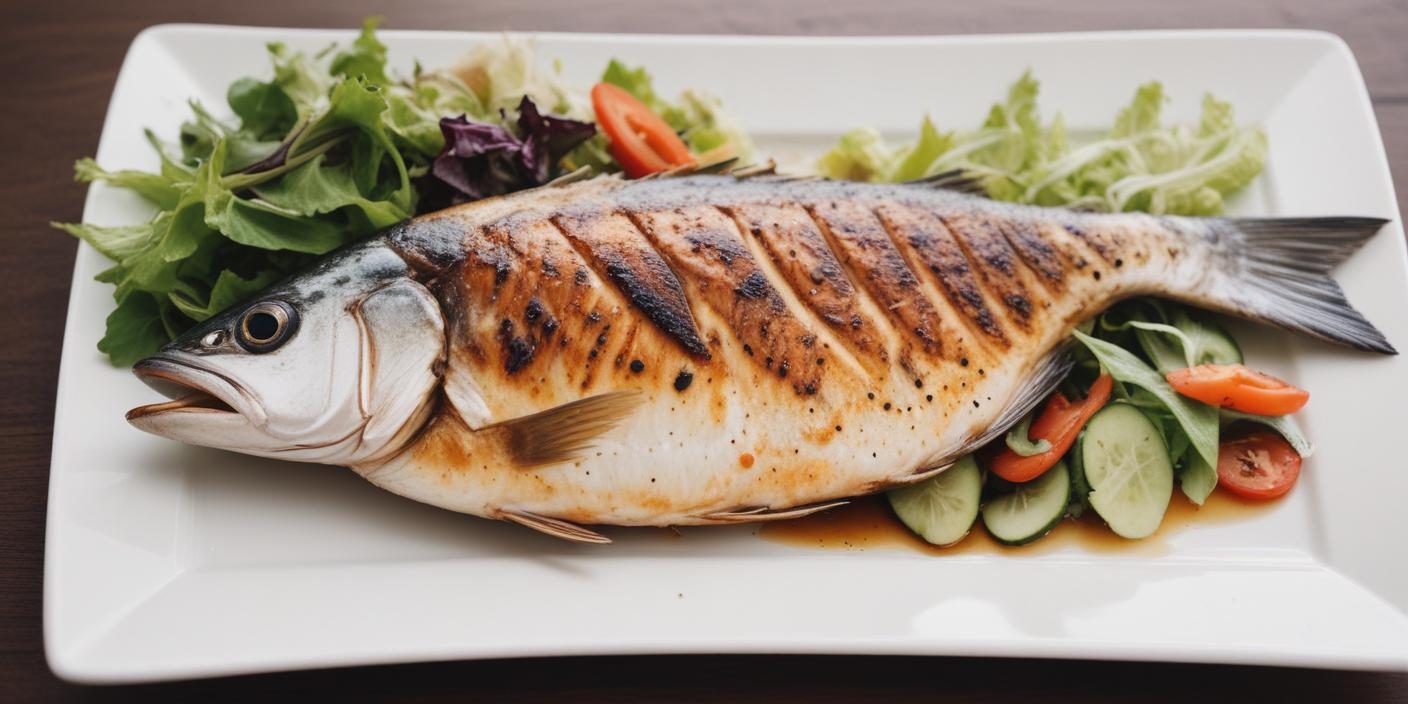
[1260, 465]
[640, 141]
[1238, 388]
[1059, 424]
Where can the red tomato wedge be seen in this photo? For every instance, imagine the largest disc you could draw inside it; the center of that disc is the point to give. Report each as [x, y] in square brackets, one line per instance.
[1059, 424]
[1238, 388]
[1261, 465]
[640, 141]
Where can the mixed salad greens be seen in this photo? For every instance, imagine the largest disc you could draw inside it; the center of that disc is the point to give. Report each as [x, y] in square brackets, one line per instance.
[1139, 164]
[334, 147]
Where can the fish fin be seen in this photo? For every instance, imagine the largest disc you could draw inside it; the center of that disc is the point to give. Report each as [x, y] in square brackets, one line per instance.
[956, 180]
[928, 471]
[714, 167]
[582, 173]
[560, 433]
[1044, 378]
[768, 169]
[763, 513]
[1280, 274]
[555, 527]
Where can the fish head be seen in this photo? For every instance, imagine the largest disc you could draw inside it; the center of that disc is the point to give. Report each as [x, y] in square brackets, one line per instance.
[339, 364]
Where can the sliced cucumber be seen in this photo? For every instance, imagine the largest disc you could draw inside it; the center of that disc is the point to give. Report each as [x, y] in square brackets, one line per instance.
[1032, 510]
[1128, 469]
[941, 510]
[1211, 344]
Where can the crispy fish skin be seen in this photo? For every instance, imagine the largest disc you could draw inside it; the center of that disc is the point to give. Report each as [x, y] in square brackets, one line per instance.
[762, 344]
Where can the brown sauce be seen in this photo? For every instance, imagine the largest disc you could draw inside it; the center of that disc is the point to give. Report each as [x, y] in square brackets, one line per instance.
[868, 523]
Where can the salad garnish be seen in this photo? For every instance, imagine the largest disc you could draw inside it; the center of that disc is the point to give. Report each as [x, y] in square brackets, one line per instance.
[335, 146]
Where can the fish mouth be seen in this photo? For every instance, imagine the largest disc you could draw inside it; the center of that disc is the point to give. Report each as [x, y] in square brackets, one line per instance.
[190, 388]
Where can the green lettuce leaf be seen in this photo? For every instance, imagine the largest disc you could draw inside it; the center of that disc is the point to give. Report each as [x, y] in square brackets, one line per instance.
[860, 155]
[913, 162]
[366, 58]
[161, 189]
[264, 109]
[1197, 479]
[1286, 426]
[134, 330]
[229, 288]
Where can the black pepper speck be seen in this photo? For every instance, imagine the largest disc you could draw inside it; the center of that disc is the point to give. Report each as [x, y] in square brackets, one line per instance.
[683, 380]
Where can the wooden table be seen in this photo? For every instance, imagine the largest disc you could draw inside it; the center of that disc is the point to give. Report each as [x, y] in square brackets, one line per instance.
[60, 58]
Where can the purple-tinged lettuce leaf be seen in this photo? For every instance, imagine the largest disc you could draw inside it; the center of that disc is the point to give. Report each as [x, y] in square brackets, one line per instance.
[482, 159]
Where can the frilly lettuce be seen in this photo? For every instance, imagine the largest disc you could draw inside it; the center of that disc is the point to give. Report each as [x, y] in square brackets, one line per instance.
[1139, 164]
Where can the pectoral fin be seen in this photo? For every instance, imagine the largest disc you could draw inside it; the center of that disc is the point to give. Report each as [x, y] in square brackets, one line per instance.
[560, 434]
[555, 527]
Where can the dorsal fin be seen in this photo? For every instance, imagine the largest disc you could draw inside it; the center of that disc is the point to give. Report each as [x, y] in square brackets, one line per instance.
[579, 174]
[560, 433]
[956, 180]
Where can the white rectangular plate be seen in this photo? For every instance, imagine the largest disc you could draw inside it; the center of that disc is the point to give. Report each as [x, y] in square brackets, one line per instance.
[170, 561]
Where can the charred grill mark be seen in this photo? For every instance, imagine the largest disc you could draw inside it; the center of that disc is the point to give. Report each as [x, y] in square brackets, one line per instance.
[926, 236]
[993, 259]
[767, 271]
[720, 271]
[1101, 242]
[612, 245]
[518, 351]
[865, 250]
[788, 245]
[755, 285]
[1038, 254]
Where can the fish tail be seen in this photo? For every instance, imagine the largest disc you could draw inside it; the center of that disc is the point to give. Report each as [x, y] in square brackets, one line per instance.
[1277, 271]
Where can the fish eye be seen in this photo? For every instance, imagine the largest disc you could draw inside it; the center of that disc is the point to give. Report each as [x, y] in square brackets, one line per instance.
[266, 325]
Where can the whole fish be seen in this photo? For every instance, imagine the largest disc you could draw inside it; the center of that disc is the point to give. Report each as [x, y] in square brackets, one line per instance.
[703, 349]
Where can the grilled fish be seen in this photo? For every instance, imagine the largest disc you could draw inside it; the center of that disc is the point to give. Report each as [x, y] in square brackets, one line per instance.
[704, 349]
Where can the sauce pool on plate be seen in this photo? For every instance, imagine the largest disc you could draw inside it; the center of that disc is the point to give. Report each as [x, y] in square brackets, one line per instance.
[868, 523]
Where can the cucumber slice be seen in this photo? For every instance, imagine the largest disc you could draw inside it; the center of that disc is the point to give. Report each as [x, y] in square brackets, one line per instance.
[1127, 466]
[1032, 510]
[941, 510]
[1211, 344]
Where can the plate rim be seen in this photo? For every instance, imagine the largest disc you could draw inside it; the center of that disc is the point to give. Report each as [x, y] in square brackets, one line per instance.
[68, 663]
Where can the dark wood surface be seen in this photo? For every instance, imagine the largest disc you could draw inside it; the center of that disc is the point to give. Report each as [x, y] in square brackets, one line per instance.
[60, 58]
